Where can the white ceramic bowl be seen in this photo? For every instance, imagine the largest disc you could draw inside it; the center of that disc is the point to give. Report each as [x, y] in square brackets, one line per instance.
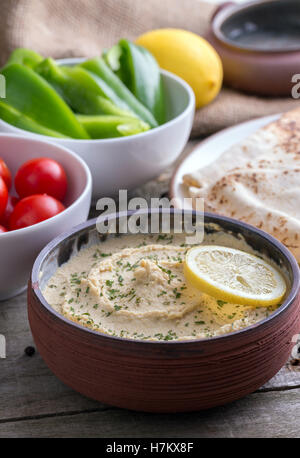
[128, 162]
[18, 249]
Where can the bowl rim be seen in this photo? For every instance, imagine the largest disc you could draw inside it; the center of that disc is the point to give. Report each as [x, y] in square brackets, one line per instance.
[104, 141]
[229, 9]
[80, 198]
[294, 291]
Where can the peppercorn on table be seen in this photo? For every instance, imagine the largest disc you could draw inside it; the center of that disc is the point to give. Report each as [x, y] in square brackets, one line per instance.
[34, 403]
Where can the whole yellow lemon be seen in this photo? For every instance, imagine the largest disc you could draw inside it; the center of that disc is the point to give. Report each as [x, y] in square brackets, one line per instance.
[189, 56]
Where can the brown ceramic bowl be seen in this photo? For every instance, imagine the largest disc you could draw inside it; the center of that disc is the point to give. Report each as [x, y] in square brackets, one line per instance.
[163, 376]
[259, 44]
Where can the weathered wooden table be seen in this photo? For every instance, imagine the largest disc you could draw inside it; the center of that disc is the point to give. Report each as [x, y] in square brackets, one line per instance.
[34, 403]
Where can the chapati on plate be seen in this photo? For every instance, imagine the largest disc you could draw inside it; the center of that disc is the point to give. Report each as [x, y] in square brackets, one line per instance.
[258, 181]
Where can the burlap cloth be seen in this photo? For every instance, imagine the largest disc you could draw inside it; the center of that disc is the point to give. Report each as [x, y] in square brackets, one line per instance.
[61, 28]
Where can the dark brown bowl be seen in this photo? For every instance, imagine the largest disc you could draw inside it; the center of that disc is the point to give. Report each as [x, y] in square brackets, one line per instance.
[259, 44]
[163, 376]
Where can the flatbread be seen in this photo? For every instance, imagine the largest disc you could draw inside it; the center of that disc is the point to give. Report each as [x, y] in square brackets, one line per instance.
[258, 181]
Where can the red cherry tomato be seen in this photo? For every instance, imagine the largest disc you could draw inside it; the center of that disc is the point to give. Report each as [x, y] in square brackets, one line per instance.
[41, 176]
[34, 209]
[11, 203]
[3, 196]
[2, 229]
[5, 173]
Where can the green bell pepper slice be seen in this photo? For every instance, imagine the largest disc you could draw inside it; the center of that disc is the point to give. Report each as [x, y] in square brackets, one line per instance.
[81, 90]
[17, 119]
[24, 56]
[32, 96]
[99, 67]
[139, 71]
[112, 126]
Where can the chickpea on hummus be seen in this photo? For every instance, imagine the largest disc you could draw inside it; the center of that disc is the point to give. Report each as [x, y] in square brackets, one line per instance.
[134, 287]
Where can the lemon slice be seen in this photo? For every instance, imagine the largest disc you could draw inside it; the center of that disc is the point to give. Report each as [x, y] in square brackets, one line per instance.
[234, 276]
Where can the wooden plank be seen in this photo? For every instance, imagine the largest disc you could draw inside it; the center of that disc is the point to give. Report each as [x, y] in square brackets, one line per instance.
[274, 414]
[27, 386]
[287, 377]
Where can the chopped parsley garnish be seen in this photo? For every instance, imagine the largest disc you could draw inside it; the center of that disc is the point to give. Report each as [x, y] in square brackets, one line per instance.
[221, 303]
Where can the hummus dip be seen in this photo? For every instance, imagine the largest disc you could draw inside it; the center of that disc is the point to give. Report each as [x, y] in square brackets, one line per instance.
[134, 287]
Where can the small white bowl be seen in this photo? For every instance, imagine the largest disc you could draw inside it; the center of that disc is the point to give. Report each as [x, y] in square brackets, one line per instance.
[128, 162]
[18, 249]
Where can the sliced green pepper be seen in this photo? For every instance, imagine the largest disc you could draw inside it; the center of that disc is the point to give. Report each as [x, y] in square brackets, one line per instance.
[24, 56]
[81, 90]
[102, 70]
[32, 96]
[17, 119]
[112, 126]
[139, 71]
